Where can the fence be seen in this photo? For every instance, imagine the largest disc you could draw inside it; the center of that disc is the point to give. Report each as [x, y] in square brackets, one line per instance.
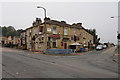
[58, 51]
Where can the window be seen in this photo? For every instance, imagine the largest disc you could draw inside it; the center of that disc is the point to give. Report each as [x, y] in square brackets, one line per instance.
[24, 35]
[75, 31]
[30, 30]
[75, 38]
[27, 33]
[49, 29]
[54, 30]
[40, 29]
[54, 43]
[48, 38]
[48, 44]
[39, 44]
[42, 38]
[33, 31]
[65, 31]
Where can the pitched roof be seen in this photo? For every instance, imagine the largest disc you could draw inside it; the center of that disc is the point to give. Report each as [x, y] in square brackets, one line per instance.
[62, 24]
[55, 22]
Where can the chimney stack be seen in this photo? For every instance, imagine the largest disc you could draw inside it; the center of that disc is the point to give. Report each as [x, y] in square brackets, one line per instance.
[46, 19]
[38, 21]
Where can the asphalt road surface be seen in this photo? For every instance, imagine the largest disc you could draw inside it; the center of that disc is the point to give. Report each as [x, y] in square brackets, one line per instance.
[24, 64]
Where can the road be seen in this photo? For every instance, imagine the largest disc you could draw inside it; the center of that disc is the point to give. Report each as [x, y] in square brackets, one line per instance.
[24, 64]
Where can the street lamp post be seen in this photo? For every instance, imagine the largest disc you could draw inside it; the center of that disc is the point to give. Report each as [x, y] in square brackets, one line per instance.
[118, 35]
[45, 28]
[43, 9]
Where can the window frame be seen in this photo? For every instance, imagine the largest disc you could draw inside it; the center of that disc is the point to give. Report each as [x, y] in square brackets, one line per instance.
[54, 41]
[54, 30]
[65, 31]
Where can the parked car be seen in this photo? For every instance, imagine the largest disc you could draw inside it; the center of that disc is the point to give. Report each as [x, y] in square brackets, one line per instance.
[104, 46]
[99, 47]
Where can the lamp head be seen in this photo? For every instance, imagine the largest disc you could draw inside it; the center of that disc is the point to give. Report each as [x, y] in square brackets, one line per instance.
[112, 17]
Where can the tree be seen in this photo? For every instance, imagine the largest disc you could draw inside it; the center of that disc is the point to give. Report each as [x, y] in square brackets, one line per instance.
[10, 31]
[4, 31]
[18, 32]
[95, 36]
[11, 28]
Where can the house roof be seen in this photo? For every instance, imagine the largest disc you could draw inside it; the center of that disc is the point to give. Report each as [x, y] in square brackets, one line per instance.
[24, 31]
[62, 24]
[86, 30]
[55, 22]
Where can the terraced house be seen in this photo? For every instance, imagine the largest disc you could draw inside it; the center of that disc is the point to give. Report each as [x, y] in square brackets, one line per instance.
[52, 34]
[23, 41]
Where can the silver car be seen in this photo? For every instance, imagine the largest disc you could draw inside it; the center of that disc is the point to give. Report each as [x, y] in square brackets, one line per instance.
[99, 47]
[104, 46]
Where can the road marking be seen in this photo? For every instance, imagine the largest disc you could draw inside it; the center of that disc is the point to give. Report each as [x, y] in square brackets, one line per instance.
[116, 54]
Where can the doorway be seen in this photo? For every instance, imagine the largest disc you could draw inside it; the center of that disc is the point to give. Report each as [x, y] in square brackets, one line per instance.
[65, 45]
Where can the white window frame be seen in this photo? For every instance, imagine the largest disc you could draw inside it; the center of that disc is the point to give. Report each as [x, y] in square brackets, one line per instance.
[49, 29]
[54, 31]
[75, 31]
[65, 31]
[30, 30]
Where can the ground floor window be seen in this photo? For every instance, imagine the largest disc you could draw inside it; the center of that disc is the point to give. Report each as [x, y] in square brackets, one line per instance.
[48, 37]
[48, 44]
[39, 42]
[54, 43]
[39, 45]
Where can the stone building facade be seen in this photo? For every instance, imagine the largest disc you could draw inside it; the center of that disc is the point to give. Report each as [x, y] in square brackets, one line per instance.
[52, 34]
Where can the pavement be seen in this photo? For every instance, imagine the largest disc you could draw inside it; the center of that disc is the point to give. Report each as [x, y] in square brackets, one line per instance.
[24, 64]
[116, 56]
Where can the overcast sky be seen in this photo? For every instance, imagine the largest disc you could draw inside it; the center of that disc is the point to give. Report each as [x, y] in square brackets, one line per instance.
[90, 14]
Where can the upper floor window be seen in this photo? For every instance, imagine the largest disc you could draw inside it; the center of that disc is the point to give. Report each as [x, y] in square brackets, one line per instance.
[35, 31]
[23, 34]
[49, 29]
[40, 28]
[75, 31]
[65, 31]
[54, 30]
[30, 30]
